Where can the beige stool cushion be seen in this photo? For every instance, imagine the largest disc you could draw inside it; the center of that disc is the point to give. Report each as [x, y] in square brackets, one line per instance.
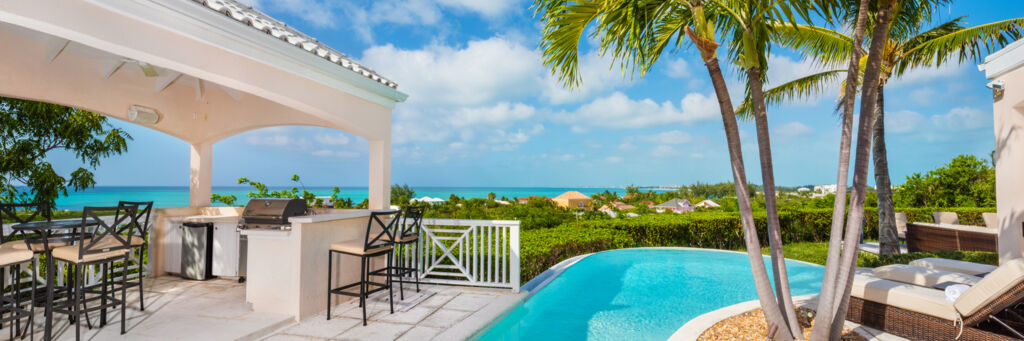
[355, 246]
[70, 254]
[953, 265]
[134, 241]
[996, 284]
[404, 239]
[910, 297]
[920, 276]
[37, 246]
[10, 256]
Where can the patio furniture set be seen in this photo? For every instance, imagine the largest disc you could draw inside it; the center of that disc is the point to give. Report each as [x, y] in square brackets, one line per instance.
[947, 234]
[90, 241]
[388, 233]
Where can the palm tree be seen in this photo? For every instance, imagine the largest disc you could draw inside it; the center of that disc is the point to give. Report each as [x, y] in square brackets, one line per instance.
[636, 33]
[908, 48]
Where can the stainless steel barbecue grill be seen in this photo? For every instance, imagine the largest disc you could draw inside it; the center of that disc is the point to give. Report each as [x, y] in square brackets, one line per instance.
[265, 213]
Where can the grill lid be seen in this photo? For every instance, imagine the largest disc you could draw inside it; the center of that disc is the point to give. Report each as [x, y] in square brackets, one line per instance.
[268, 211]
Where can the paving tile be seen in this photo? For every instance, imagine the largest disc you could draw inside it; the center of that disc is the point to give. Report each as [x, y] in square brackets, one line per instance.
[413, 316]
[286, 337]
[436, 300]
[375, 331]
[444, 318]
[468, 302]
[420, 333]
[319, 326]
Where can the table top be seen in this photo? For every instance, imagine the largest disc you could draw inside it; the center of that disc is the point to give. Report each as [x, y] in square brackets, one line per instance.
[53, 225]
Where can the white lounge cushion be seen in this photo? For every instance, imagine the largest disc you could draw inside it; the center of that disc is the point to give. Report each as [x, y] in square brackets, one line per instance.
[994, 285]
[910, 297]
[991, 220]
[921, 276]
[945, 218]
[953, 265]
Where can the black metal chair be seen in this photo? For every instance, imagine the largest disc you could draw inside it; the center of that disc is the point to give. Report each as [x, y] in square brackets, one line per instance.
[406, 234]
[375, 243]
[104, 246]
[14, 252]
[138, 239]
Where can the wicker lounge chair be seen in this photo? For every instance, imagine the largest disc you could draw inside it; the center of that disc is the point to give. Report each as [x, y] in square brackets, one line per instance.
[945, 218]
[984, 312]
[991, 220]
[953, 265]
[922, 276]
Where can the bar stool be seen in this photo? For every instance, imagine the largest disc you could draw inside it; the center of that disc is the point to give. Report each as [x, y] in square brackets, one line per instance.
[137, 231]
[375, 243]
[11, 310]
[27, 241]
[406, 235]
[103, 247]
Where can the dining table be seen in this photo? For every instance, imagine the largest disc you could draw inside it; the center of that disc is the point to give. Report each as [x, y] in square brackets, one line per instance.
[50, 232]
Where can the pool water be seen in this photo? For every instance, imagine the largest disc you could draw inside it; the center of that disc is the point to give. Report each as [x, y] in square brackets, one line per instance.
[640, 294]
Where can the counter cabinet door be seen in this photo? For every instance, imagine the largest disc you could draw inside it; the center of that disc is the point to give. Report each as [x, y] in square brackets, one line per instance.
[225, 250]
[172, 247]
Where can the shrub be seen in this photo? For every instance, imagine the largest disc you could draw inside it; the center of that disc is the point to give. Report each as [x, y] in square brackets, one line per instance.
[543, 248]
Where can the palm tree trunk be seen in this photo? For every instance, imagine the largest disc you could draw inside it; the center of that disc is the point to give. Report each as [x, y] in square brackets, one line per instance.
[888, 238]
[824, 316]
[872, 73]
[768, 179]
[732, 135]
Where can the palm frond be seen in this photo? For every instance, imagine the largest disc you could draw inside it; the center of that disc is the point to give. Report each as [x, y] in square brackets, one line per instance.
[823, 45]
[802, 87]
[564, 26]
[968, 44]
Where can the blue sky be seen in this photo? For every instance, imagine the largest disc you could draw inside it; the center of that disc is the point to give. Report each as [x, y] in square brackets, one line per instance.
[484, 111]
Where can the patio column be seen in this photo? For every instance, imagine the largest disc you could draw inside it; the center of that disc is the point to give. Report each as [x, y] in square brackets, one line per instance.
[380, 173]
[1008, 110]
[201, 175]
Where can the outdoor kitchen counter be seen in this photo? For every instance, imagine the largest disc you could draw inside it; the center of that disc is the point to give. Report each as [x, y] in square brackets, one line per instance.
[287, 270]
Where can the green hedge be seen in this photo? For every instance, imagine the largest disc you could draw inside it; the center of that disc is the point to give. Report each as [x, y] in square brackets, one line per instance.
[543, 248]
[721, 230]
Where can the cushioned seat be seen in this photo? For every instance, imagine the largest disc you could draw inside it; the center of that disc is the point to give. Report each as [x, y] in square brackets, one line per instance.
[356, 246]
[953, 266]
[134, 241]
[921, 276]
[70, 254]
[36, 246]
[910, 297]
[12, 256]
[995, 285]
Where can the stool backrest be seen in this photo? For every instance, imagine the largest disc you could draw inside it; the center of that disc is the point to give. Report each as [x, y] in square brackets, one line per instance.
[139, 223]
[9, 214]
[105, 237]
[376, 239]
[412, 219]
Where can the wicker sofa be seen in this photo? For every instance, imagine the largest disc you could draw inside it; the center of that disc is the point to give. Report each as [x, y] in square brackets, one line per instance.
[927, 237]
[987, 311]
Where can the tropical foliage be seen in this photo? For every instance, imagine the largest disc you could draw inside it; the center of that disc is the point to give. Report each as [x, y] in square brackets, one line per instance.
[966, 181]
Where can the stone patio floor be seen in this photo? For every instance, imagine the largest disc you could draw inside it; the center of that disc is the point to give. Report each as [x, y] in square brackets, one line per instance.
[178, 309]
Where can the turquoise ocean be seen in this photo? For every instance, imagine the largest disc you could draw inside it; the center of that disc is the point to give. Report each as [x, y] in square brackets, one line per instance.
[177, 196]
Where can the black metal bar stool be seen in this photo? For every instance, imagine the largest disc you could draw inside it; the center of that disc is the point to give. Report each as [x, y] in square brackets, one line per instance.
[104, 246]
[406, 234]
[376, 243]
[137, 233]
[11, 309]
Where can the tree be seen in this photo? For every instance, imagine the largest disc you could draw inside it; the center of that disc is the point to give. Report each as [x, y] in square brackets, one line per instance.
[909, 48]
[966, 181]
[29, 130]
[401, 195]
[636, 34]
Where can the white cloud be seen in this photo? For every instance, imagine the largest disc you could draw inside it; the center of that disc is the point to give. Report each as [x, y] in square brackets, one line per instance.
[598, 75]
[419, 12]
[488, 8]
[926, 76]
[670, 137]
[793, 129]
[318, 13]
[664, 151]
[346, 154]
[677, 68]
[618, 111]
[277, 138]
[782, 69]
[613, 159]
[331, 139]
[500, 114]
[903, 121]
[484, 71]
[962, 118]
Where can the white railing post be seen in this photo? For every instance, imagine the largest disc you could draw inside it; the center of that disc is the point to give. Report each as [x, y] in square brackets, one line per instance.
[514, 255]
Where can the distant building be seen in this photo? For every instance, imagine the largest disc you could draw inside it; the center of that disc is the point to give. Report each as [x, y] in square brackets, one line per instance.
[572, 199]
[503, 202]
[427, 200]
[803, 189]
[825, 189]
[609, 211]
[526, 200]
[707, 204]
[621, 206]
[675, 205]
[647, 203]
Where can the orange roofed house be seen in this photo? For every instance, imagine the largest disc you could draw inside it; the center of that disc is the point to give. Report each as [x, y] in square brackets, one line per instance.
[572, 199]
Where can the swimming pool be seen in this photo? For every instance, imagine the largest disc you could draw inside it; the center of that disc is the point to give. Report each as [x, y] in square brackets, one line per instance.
[640, 294]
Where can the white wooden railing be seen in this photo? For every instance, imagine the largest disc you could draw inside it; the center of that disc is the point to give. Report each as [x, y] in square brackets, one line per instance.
[466, 252]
